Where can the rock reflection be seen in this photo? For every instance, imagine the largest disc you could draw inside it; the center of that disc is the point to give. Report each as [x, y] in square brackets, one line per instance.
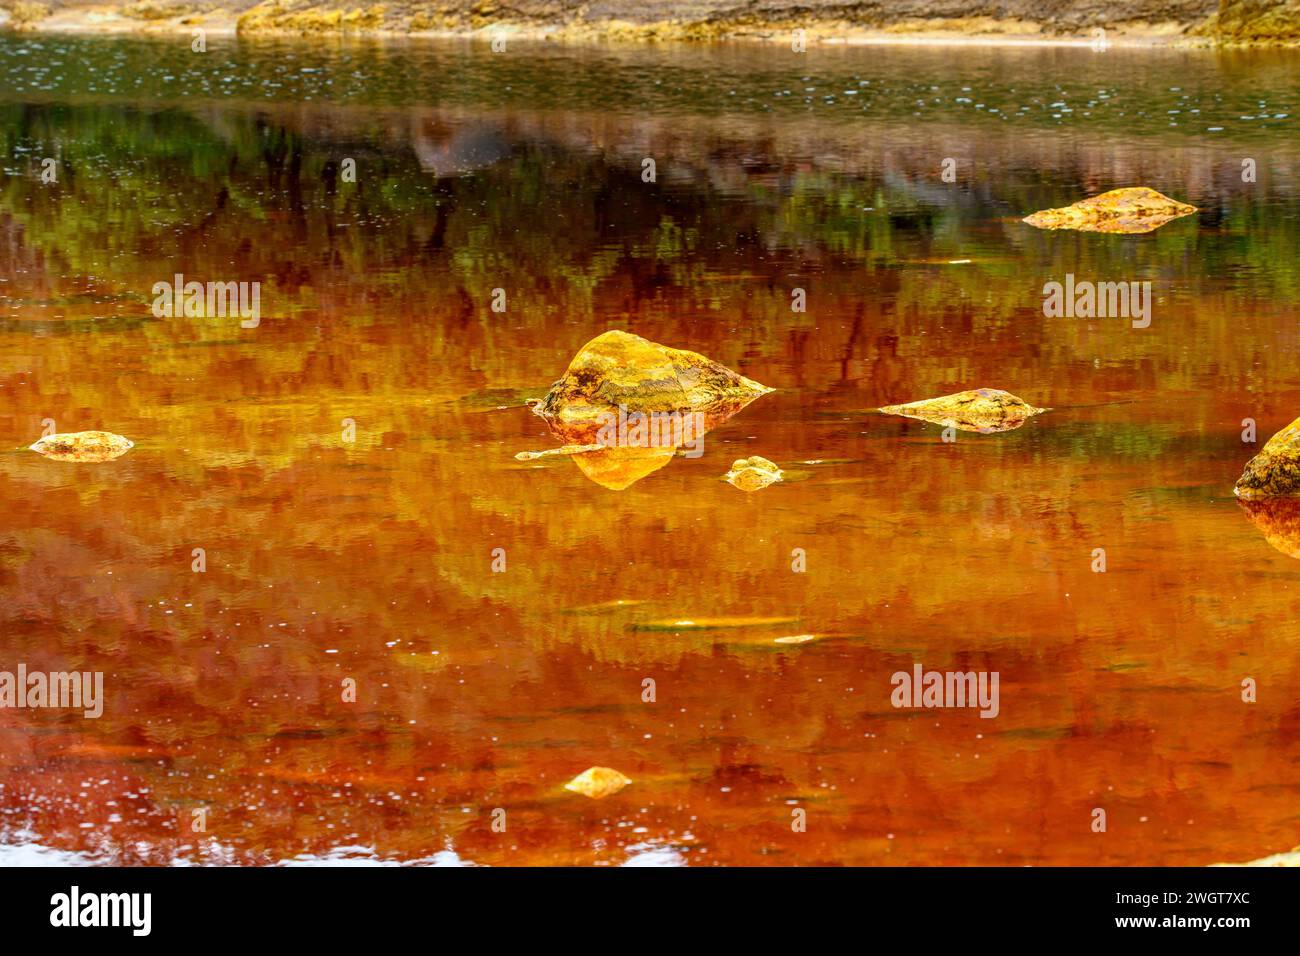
[1278, 519]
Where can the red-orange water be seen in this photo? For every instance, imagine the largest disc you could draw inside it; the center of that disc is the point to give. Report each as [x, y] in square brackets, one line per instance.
[476, 690]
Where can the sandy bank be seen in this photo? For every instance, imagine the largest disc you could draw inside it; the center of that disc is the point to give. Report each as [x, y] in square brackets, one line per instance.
[1074, 22]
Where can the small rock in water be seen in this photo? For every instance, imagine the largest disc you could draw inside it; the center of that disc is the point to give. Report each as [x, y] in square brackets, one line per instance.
[83, 446]
[751, 474]
[597, 782]
[978, 410]
[1131, 211]
[795, 639]
[1275, 471]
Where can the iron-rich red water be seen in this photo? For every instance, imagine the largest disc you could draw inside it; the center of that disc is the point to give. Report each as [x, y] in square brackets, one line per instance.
[372, 560]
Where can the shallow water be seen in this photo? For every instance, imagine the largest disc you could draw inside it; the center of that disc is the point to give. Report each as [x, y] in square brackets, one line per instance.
[372, 560]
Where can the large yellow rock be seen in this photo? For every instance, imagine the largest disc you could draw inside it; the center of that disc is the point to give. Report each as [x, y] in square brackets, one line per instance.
[1132, 210]
[978, 410]
[620, 369]
[83, 446]
[1275, 470]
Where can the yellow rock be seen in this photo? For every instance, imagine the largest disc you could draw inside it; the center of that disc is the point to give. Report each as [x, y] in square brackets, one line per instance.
[1275, 471]
[620, 369]
[83, 446]
[978, 410]
[795, 639]
[751, 474]
[597, 782]
[1131, 211]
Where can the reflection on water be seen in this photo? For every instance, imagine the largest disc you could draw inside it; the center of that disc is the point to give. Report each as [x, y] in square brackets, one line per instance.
[1278, 520]
[617, 468]
[369, 563]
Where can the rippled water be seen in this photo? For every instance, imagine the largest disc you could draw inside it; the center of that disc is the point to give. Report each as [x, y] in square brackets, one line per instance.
[372, 560]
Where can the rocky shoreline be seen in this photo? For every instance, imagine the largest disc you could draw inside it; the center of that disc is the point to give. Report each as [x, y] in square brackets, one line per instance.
[1074, 22]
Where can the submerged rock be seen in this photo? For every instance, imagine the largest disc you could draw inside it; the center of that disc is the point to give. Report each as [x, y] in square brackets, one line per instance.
[1275, 471]
[981, 410]
[620, 371]
[83, 446]
[597, 782]
[1131, 211]
[751, 474]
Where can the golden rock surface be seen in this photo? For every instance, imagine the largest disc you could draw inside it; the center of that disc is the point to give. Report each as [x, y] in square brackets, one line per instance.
[1131, 211]
[1275, 471]
[620, 369]
[597, 782]
[977, 410]
[83, 446]
[752, 474]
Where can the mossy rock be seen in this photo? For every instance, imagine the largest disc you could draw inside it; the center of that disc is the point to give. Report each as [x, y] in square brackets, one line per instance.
[83, 446]
[620, 369]
[977, 410]
[1275, 471]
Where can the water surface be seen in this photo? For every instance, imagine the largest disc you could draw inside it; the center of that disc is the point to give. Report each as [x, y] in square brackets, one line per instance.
[372, 560]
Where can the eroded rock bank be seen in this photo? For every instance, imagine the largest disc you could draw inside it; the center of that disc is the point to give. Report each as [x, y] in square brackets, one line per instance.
[1230, 22]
